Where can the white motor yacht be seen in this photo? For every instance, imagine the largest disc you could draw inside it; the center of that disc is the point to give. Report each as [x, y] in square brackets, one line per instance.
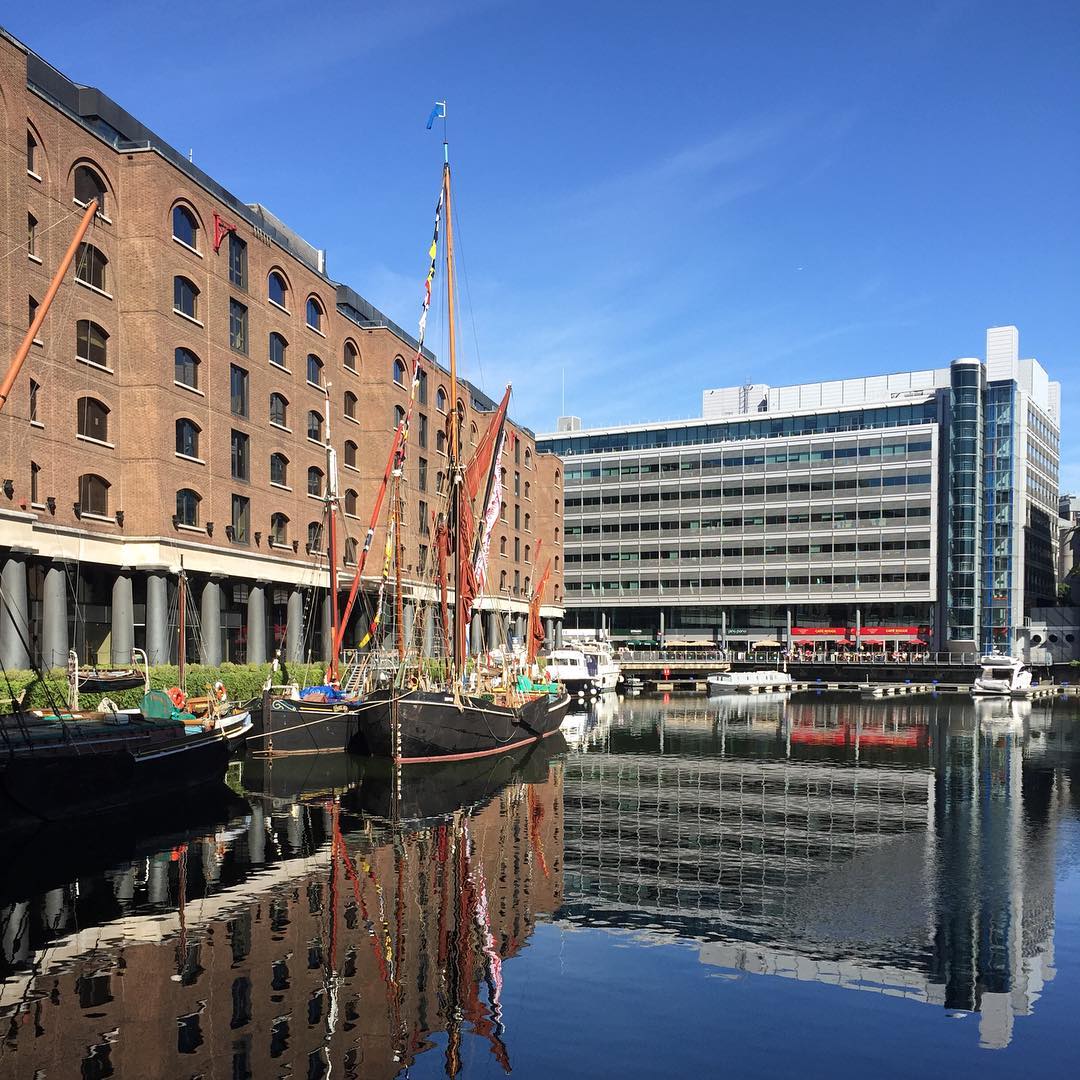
[571, 668]
[600, 659]
[1002, 676]
[743, 682]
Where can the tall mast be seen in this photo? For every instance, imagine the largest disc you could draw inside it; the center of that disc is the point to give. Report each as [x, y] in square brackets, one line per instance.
[181, 645]
[332, 552]
[456, 478]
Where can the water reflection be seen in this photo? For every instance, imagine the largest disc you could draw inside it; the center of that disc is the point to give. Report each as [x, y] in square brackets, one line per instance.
[313, 920]
[295, 937]
[903, 847]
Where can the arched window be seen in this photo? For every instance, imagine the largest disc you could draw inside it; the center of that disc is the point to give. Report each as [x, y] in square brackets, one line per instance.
[314, 481]
[556, 557]
[185, 297]
[350, 355]
[350, 551]
[440, 479]
[440, 441]
[528, 489]
[278, 349]
[279, 470]
[279, 410]
[526, 586]
[399, 415]
[502, 545]
[31, 153]
[314, 536]
[186, 368]
[91, 343]
[90, 186]
[528, 458]
[187, 507]
[314, 370]
[350, 405]
[350, 454]
[441, 402]
[350, 502]
[187, 438]
[185, 226]
[399, 371]
[557, 475]
[528, 553]
[277, 289]
[279, 530]
[93, 495]
[314, 426]
[91, 267]
[528, 521]
[556, 507]
[502, 511]
[473, 433]
[314, 314]
[502, 581]
[93, 419]
[556, 536]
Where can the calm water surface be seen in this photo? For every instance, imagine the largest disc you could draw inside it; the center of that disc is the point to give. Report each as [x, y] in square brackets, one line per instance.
[755, 886]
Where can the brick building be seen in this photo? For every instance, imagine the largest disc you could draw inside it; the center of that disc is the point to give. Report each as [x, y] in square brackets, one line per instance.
[173, 407]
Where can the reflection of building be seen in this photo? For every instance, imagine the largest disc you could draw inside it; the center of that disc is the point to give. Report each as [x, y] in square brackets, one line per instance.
[297, 965]
[883, 853]
[902, 504]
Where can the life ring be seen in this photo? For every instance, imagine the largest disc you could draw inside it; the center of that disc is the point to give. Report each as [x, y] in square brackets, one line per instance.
[177, 696]
[220, 692]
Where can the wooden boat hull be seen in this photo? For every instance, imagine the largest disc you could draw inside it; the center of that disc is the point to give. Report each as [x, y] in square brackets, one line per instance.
[303, 727]
[104, 682]
[59, 783]
[434, 728]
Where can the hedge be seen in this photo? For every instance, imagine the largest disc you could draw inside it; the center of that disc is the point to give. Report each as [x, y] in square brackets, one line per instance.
[243, 681]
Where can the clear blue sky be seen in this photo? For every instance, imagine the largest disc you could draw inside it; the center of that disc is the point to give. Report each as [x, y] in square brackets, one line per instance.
[654, 198]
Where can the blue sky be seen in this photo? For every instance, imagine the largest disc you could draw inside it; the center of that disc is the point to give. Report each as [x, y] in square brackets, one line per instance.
[651, 198]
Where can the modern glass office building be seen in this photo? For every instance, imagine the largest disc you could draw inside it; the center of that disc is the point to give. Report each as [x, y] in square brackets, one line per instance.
[913, 508]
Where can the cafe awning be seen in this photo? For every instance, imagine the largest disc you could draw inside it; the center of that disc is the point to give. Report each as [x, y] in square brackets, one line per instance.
[766, 645]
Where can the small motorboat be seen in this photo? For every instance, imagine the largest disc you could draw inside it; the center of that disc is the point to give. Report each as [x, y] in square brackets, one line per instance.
[748, 682]
[1002, 676]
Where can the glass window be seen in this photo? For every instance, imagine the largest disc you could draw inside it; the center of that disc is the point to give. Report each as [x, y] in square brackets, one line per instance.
[90, 267]
[93, 495]
[187, 438]
[276, 289]
[421, 394]
[350, 454]
[91, 343]
[421, 474]
[421, 432]
[187, 507]
[314, 314]
[241, 469]
[314, 536]
[89, 186]
[184, 226]
[238, 390]
[238, 326]
[314, 426]
[279, 530]
[279, 469]
[35, 477]
[241, 518]
[350, 502]
[350, 551]
[399, 371]
[279, 410]
[237, 261]
[186, 368]
[350, 404]
[441, 400]
[93, 419]
[35, 395]
[278, 350]
[440, 441]
[314, 481]
[350, 356]
[185, 297]
[399, 416]
[31, 153]
[31, 234]
[314, 370]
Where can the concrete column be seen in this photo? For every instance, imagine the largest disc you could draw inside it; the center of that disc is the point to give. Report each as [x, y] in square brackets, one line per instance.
[123, 619]
[493, 637]
[660, 638]
[858, 628]
[558, 633]
[723, 629]
[294, 628]
[256, 625]
[157, 619]
[14, 615]
[477, 634]
[520, 629]
[788, 641]
[54, 628]
[409, 614]
[210, 614]
[549, 632]
[429, 631]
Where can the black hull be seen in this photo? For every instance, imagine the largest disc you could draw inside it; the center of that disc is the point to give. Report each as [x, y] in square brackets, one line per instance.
[106, 684]
[438, 790]
[51, 786]
[303, 727]
[584, 687]
[435, 729]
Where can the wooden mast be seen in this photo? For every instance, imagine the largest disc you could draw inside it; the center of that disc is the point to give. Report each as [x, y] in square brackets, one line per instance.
[454, 470]
[332, 552]
[43, 307]
[181, 645]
